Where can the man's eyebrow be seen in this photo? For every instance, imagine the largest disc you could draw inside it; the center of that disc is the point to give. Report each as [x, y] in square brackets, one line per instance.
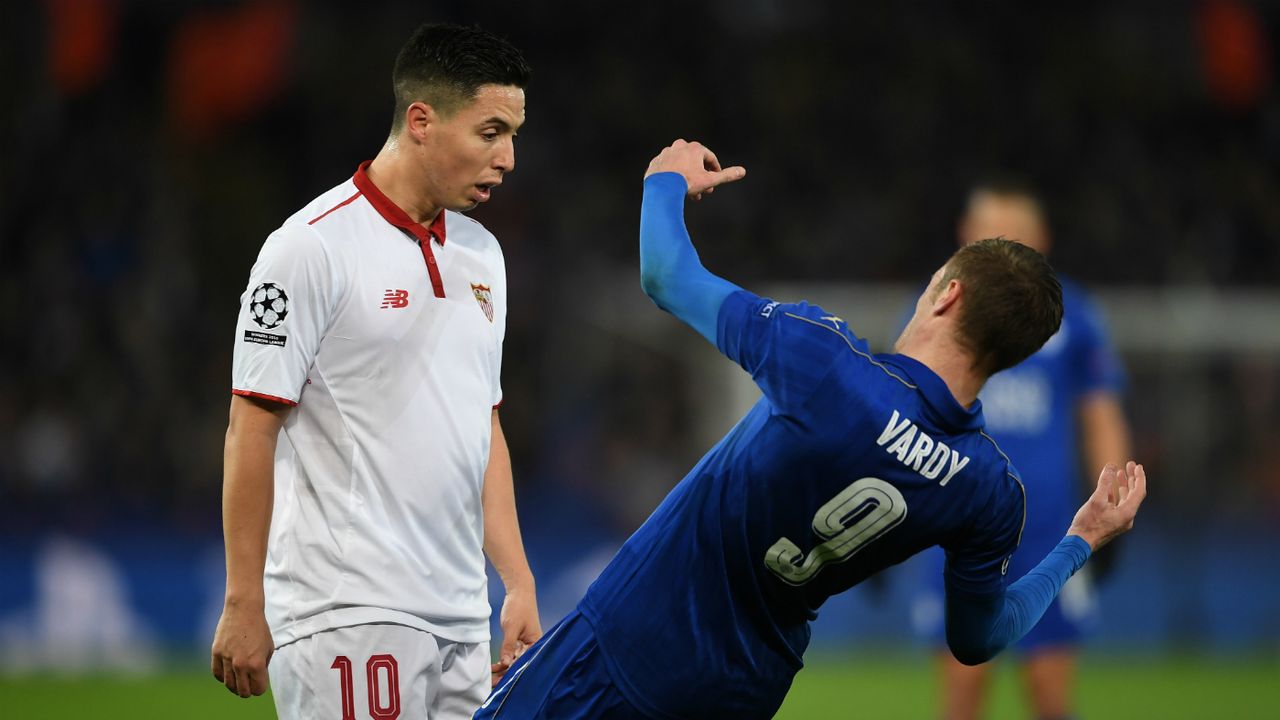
[495, 120]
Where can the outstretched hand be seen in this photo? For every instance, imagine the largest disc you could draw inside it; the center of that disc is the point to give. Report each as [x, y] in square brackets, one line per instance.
[1109, 511]
[699, 166]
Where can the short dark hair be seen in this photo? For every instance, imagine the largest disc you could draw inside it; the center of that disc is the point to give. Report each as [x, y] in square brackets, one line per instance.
[445, 65]
[1012, 301]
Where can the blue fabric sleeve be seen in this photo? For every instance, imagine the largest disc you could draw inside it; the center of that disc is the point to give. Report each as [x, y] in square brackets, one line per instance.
[978, 559]
[787, 348]
[979, 626]
[670, 271]
[786, 358]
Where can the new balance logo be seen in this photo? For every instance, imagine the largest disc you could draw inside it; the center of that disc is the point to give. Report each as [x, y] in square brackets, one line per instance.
[395, 299]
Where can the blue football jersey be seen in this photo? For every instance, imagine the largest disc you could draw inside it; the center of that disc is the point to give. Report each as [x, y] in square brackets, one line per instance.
[1032, 411]
[850, 463]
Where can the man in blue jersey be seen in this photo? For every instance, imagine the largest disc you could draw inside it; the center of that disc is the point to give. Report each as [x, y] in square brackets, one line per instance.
[1061, 404]
[850, 463]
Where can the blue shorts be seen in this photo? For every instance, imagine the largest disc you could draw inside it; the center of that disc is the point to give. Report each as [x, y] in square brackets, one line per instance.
[562, 677]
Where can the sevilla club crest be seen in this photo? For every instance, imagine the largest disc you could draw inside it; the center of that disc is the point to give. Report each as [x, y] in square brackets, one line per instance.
[484, 296]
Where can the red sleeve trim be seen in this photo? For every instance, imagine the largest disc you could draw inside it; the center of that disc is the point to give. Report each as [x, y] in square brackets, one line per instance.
[261, 396]
[495, 407]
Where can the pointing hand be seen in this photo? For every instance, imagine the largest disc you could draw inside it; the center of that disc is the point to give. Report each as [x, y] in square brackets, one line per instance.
[699, 166]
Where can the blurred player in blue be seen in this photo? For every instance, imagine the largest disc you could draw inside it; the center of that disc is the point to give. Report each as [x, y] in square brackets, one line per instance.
[850, 463]
[1057, 407]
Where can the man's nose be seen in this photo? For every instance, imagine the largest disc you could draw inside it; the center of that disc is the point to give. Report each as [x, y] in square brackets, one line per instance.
[505, 158]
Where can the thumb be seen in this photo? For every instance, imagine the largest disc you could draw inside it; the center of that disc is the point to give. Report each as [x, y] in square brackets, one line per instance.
[507, 654]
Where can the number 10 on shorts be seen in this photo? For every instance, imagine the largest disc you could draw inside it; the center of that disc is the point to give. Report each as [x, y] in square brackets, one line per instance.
[381, 706]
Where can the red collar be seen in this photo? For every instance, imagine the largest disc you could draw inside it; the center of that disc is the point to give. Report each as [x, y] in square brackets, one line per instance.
[392, 213]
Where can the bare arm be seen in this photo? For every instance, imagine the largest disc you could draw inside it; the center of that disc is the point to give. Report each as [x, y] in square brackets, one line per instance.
[1104, 432]
[505, 548]
[1104, 438]
[242, 644]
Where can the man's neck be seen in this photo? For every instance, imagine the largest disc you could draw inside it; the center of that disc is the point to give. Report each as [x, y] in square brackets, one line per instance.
[397, 177]
[950, 362]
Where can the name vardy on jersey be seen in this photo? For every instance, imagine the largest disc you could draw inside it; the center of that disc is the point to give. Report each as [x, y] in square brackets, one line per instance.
[920, 452]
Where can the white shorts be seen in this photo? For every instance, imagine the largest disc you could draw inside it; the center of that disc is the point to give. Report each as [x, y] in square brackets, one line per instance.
[380, 672]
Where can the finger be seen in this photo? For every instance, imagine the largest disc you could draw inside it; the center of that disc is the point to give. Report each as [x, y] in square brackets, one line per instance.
[229, 676]
[710, 161]
[1139, 486]
[1102, 479]
[258, 681]
[728, 175]
[507, 654]
[215, 666]
[1106, 484]
[496, 671]
[1127, 481]
[244, 688]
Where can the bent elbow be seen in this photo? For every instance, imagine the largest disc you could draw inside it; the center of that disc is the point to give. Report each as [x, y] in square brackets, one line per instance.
[649, 284]
[971, 656]
[972, 651]
[653, 286]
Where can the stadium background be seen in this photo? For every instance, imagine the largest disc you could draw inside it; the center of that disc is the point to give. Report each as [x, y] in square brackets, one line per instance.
[149, 146]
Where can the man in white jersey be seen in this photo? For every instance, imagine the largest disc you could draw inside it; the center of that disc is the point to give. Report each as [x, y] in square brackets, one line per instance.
[366, 473]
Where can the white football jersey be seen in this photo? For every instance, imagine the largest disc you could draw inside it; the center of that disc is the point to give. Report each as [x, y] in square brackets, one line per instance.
[387, 335]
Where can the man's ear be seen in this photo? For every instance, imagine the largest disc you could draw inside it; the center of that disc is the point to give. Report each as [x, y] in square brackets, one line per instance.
[948, 297]
[418, 119]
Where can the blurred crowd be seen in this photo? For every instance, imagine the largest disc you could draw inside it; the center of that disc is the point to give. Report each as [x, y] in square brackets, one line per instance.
[150, 147]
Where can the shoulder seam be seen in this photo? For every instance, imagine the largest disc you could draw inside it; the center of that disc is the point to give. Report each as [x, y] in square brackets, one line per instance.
[340, 205]
[1008, 471]
[855, 350]
[486, 231]
[469, 219]
[330, 261]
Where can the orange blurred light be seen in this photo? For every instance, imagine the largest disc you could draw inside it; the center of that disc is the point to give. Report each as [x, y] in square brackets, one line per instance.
[226, 65]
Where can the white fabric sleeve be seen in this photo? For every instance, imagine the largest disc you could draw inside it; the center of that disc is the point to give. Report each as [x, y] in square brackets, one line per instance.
[499, 324]
[285, 309]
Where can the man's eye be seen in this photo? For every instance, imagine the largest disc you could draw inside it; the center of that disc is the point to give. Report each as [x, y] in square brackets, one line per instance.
[489, 136]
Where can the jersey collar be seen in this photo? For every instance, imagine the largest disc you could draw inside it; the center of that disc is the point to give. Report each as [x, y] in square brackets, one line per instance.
[392, 213]
[937, 395]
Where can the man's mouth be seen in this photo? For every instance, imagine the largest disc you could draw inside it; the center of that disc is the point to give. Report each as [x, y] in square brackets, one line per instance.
[484, 190]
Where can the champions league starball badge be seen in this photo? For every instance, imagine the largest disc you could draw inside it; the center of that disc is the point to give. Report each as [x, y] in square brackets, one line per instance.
[269, 306]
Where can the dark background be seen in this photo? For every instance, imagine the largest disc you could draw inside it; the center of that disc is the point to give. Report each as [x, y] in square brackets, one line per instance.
[149, 147]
